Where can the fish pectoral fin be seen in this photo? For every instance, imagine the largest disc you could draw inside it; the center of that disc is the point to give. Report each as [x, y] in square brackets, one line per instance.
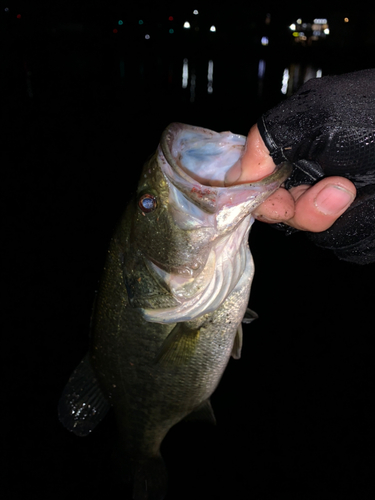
[82, 404]
[237, 344]
[179, 347]
[204, 413]
[250, 315]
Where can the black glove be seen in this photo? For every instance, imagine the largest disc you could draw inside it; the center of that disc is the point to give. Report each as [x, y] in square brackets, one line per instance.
[328, 128]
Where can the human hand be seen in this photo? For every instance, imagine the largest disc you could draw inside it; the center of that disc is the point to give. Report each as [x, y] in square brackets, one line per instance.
[305, 207]
[326, 130]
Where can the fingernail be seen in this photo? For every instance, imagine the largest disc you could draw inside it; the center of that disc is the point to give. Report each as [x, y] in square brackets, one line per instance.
[233, 173]
[332, 200]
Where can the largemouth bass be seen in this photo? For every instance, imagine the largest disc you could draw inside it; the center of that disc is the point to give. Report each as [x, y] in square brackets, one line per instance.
[174, 292]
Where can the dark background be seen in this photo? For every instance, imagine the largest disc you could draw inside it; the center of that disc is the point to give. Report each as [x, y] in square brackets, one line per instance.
[82, 108]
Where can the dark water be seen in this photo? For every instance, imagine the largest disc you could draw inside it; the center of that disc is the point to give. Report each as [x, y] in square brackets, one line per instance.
[81, 115]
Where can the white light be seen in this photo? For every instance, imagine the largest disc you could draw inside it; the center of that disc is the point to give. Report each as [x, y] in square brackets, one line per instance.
[319, 73]
[320, 21]
[195, 12]
[326, 31]
[264, 40]
[284, 83]
[261, 68]
[213, 28]
[147, 37]
[186, 24]
[299, 21]
[292, 27]
[210, 76]
[185, 73]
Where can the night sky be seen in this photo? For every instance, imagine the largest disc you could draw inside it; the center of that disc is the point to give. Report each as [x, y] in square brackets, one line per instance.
[82, 109]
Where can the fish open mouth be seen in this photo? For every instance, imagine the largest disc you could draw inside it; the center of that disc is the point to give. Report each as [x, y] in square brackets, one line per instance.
[195, 160]
[203, 154]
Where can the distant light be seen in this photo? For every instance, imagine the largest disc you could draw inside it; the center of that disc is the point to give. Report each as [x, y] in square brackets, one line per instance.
[186, 24]
[213, 28]
[140, 21]
[261, 68]
[18, 16]
[346, 19]
[326, 31]
[299, 21]
[120, 22]
[295, 34]
[147, 37]
[170, 18]
[292, 27]
[115, 30]
[210, 77]
[6, 9]
[320, 21]
[285, 81]
[264, 40]
[185, 73]
[195, 12]
[319, 73]
[171, 31]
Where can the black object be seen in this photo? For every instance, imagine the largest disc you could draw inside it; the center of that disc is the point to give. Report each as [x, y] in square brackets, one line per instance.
[328, 128]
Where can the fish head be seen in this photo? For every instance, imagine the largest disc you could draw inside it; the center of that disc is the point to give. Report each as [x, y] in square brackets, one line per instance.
[188, 225]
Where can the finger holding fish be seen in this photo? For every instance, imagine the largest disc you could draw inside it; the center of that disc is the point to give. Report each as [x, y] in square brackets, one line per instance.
[307, 208]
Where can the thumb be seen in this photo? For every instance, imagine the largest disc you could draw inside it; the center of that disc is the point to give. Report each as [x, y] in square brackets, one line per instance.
[254, 164]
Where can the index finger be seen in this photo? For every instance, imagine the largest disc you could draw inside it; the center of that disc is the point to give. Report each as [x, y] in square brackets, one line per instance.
[254, 164]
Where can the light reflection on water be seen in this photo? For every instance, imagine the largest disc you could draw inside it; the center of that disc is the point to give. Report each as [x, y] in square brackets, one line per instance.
[193, 77]
[196, 76]
[296, 75]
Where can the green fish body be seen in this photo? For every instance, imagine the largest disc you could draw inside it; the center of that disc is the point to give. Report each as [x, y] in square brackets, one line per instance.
[173, 294]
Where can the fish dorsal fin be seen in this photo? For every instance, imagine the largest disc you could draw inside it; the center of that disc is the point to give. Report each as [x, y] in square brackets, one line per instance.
[204, 412]
[179, 347]
[250, 315]
[237, 345]
[82, 404]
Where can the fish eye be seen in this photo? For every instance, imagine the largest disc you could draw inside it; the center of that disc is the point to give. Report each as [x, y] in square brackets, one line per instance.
[147, 203]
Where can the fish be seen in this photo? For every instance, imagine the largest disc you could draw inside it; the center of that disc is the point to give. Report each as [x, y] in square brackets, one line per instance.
[173, 295]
